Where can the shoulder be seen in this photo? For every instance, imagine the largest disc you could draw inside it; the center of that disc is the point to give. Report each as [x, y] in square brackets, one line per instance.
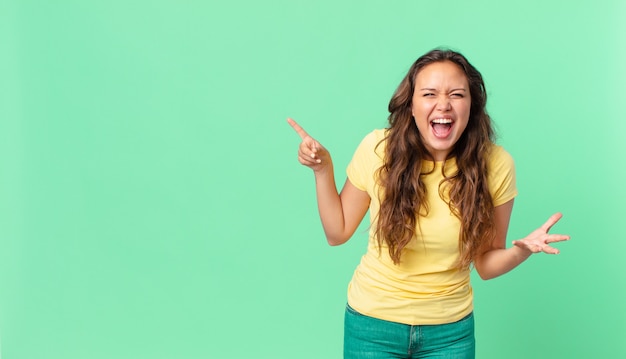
[367, 159]
[501, 175]
[374, 142]
[498, 158]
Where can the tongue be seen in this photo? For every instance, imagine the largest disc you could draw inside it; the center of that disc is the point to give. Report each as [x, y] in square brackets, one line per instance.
[441, 130]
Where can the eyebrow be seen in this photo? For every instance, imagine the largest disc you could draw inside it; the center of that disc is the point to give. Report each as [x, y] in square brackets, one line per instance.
[431, 89]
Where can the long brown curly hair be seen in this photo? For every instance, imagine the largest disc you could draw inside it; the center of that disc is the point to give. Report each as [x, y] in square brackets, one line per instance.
[404, 193]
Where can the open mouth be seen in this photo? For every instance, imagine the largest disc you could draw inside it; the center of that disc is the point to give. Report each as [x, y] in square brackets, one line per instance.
[441, 127]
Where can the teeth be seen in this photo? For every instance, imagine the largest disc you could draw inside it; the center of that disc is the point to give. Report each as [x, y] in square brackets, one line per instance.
[442, 120]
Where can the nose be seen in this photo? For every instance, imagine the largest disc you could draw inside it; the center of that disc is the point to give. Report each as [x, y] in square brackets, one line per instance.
[443, 103]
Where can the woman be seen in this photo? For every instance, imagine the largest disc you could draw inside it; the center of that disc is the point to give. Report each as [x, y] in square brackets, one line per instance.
[440, 195]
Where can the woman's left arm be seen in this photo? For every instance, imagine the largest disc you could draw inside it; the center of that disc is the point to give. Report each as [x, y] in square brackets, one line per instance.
[499, 259]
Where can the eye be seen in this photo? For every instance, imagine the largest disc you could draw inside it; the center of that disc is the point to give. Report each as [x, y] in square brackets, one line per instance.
[428, 94]
[457, 95]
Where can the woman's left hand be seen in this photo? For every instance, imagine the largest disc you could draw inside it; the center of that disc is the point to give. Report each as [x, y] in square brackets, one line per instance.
[539, 240]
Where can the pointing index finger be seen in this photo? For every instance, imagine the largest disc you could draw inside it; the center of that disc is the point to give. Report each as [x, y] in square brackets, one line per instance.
[298, 128]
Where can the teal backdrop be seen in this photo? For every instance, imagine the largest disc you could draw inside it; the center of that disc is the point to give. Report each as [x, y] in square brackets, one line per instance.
[151, 203]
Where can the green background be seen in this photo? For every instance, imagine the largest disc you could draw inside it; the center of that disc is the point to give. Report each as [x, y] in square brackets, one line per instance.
[151, 203]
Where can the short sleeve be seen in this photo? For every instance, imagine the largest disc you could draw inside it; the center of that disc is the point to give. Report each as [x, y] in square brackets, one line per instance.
[365, 161]
[501, 176]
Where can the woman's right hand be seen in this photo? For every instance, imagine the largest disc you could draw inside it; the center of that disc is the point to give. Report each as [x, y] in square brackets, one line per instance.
[340, 214]
[311, 153]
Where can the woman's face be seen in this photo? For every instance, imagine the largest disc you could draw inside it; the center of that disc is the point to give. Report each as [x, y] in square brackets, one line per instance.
[441, 106]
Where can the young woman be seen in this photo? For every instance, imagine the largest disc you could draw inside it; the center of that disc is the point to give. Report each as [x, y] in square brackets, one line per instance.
[440, 195]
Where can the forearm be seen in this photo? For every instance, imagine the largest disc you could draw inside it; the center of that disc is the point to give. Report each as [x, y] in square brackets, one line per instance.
[330, 207]
[496, 262]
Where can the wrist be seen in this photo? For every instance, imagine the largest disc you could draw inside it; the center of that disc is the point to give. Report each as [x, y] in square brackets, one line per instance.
[523, 251]
[324, 170]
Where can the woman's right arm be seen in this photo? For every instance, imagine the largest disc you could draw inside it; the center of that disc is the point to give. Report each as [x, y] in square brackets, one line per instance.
[342, 213]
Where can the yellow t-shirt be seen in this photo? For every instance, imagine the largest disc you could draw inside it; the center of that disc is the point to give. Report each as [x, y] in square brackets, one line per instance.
[426, 287]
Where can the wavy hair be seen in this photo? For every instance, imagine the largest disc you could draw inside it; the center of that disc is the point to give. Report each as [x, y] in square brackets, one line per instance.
[404, 193]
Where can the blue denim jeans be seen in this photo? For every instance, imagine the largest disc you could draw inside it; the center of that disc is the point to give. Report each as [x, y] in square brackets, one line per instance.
[370, 338]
